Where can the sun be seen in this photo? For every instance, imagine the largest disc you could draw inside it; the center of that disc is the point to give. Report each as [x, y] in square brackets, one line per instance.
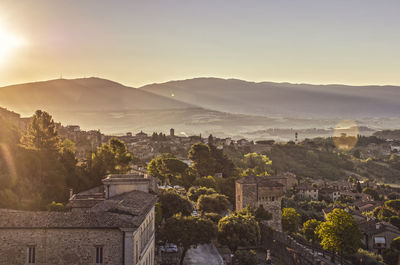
[8, 43]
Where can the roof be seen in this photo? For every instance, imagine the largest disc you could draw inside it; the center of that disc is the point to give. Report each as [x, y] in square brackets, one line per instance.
[260, 181]
[122, 211]
[370, 227]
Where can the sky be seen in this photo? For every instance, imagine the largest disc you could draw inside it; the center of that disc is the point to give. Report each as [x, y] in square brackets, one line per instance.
[353, 42]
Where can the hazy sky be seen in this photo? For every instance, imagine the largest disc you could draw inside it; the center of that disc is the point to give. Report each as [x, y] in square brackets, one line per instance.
[140, 42]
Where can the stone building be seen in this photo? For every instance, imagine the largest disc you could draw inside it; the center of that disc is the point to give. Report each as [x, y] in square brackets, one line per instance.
[255, 191]
[307, 191]
[287, 179]
[378, 236]
[105, 225]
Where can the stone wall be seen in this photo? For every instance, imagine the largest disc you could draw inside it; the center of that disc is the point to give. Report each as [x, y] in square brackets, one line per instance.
[60, 246]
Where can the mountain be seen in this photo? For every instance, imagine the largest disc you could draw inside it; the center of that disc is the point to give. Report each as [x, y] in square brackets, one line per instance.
[284, 99]
[84, 94]
[222, 107]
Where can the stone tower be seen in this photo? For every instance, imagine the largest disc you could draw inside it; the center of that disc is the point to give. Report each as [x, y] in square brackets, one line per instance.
[255, 191]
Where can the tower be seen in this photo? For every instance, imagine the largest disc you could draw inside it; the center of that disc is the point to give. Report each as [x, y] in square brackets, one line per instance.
[172, 132]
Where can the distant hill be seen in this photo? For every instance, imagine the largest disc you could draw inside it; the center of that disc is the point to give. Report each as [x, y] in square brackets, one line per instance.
[85, 94]
[284, 99]
[222, 107]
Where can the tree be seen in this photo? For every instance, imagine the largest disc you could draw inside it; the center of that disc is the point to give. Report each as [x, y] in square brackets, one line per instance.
[41, 134]
[215, 203]
[188, 231]
[393, 205]
[370, 191]
[309, 229]
[173, 203]
[203, 163]
[195, 192]
[245, 257]
[206, 181]
[290, 220]
[261, 214]
[392, 256]
[395, 220]
[238, 230]
[340, 232]
[255, 164]
[358, 187]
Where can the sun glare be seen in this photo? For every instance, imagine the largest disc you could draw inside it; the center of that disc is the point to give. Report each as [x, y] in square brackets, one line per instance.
[8, 43]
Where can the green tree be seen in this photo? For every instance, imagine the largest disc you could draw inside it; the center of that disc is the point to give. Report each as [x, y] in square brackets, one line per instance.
[309, 230]
[206, 181]
[245, 257]
[42, 133]
[188, 231]
[215, 203]
[168, 169]
[392, 256]
[370, 191]
[255, 164]
[340, 232]
[238, 230]
[173, 203]
[290, 220]
[393, 205]
[195, 192]
[261, 214]
[203, 163]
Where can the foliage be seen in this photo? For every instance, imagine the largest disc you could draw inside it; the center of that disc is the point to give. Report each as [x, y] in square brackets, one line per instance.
[245, 257]
[159, 215]
[195, 192]
[173, 203]
[42, 134]
[365, 257]
[290, 220]
[340, 232]
[382, 213]
[393, 205]
[370, 191]
[213, 217]
[55, 207]
[167, 168]
[392, 256]
[216, 203]
[395, 220]
[188, 231]
[256, 164]
[261, 214]
[238, 230]
[309, 228]
[206, 181]
[203, 163]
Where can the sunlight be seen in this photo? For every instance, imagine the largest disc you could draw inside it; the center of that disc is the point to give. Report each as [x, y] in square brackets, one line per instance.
[8, 42]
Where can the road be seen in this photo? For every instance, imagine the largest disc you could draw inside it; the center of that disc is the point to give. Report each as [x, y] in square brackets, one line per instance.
[203, 255]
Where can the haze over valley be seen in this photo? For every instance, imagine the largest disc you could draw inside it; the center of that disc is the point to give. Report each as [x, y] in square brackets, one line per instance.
[223, 107]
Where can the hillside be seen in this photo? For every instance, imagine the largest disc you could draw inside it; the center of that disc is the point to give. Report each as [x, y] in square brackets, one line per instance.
[284, 99]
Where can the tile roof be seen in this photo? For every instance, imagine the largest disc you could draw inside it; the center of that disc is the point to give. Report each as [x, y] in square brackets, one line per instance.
[123, 211]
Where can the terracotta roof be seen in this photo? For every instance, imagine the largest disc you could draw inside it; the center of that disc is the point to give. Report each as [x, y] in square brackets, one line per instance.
[123, 211]
[260, 181]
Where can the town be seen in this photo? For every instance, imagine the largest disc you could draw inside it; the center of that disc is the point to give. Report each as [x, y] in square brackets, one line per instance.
[164, 199]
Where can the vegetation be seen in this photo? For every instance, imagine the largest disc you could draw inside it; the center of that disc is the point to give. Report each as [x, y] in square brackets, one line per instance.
[215, 203]
[195, 192]
[188, 231]
[309, 230]
[340, 233]
[173, 203]
[291, 220]
[239, 230]
[245, 257]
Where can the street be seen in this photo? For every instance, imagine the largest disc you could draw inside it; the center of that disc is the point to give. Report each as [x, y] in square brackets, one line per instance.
[203, 255]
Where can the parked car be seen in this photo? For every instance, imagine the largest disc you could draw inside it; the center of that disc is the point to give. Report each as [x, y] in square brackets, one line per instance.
[169, 248]
[194, 213]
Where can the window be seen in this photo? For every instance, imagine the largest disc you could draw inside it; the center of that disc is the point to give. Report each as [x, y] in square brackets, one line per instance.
[99, 255]
[31, 255]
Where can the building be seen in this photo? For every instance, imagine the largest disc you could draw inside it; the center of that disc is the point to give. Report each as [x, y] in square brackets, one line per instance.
[105, 225]
[255, 191]
[287, 179]
[307, 191]
[328, 194]
[378, 235]
[172, 132]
